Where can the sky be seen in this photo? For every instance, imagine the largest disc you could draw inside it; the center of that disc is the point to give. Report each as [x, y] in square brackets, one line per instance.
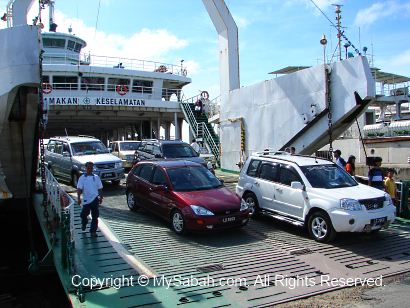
[272, 33]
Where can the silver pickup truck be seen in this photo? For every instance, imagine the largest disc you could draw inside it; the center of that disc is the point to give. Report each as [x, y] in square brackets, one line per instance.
[65, 157]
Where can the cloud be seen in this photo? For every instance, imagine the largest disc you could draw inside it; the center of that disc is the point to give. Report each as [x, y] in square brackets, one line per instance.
[379, 11]
[401, 60]
[241, 22]
[145, 45]
[322, 4]
[397, 63]
[192, 67]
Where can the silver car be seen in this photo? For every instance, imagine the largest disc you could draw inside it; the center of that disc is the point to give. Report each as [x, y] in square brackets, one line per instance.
[66, 158]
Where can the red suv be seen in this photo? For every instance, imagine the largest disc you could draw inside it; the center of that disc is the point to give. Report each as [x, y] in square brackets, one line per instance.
[185, 193]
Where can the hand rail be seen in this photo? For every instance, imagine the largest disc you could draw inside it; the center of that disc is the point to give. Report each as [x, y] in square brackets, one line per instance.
[199, 129]
[210, 140]
[63, 209]
[113, 62]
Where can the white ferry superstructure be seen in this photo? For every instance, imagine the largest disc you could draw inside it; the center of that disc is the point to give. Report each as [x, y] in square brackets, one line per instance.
[108, 97]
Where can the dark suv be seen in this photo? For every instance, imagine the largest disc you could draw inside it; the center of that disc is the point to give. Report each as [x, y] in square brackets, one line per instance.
[168, 149]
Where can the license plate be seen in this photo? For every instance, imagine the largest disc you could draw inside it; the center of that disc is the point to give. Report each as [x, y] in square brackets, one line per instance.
[228, 219]
[108, 175]
[378, 221]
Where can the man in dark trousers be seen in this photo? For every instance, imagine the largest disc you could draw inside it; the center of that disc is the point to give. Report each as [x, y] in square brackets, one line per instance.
[90, 186]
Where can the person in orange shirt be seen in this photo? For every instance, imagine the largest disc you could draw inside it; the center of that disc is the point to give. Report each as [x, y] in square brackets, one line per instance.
[350, 166]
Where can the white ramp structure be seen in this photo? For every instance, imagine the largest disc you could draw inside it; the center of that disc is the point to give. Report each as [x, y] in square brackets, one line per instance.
[292, 110]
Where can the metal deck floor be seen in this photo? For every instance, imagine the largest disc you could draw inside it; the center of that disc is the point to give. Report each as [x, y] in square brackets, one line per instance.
[252, 253]
[261, 253]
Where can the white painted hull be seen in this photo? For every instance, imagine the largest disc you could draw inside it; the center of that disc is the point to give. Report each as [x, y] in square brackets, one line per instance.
[19, 68]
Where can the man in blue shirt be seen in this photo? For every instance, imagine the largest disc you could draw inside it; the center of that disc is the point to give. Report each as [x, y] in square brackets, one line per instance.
[339, 160]
[90, 186]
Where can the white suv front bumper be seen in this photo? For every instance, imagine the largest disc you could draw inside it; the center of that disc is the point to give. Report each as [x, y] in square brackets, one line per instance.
[359, 221]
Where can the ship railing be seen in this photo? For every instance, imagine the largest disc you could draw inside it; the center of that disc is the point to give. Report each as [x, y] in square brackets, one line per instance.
[168, 94]
[395, 89]
[388, 131]
[214, 107]
[62, 206]
[114, 62]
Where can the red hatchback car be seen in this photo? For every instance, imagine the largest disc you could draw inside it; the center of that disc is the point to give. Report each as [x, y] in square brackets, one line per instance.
[185, 193]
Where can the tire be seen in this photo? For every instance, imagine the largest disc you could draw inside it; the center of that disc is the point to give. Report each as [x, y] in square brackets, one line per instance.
[132, 202]
[115, 182]
[253, 204]
[178, 222]
[320, 227]
[74, 179]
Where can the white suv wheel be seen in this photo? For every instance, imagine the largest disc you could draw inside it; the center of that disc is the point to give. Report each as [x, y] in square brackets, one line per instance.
[320, 227]
[252, 203]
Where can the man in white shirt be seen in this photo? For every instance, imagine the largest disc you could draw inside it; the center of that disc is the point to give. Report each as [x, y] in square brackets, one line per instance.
[90, 186]
[195, 145]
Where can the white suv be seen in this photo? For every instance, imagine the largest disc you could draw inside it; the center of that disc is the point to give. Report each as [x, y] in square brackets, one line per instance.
[312, 192]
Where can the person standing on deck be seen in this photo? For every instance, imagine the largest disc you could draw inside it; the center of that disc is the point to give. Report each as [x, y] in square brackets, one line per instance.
[390, 185]
[195, 145]
[376, 174]
[90, 186]
[339, 160]
[350, 166]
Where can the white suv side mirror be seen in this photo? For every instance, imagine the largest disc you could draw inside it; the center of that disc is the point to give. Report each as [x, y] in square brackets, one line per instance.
[296, 185]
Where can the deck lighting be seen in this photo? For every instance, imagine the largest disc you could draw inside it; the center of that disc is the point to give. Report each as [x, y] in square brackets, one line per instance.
[323, 41]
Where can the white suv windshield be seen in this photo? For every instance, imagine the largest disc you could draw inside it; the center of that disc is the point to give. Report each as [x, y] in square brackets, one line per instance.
[88, 148]
[327, 176]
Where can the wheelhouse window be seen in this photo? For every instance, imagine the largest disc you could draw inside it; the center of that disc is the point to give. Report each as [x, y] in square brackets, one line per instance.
[45, 79]
[92, 83]
[114, 82]
[142, 86]
[53, 43]
[70, 45]
[65, 82]
[78, 47]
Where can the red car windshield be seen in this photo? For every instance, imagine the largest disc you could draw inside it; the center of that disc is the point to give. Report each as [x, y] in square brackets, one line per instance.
[192, 178]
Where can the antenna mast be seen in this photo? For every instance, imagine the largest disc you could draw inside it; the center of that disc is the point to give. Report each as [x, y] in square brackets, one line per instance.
[339, 31]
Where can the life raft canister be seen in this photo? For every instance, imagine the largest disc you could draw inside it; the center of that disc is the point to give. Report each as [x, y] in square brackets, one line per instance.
[205, 94]
[122, 89]
[47, 88]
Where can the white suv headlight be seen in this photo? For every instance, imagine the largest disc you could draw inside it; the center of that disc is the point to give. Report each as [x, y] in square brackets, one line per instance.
[201, 211]
[244, 205]
[350, 205]
[388, 198]
[118, 165]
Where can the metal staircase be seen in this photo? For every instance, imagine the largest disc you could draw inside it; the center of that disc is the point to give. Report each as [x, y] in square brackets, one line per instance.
[200, 127]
